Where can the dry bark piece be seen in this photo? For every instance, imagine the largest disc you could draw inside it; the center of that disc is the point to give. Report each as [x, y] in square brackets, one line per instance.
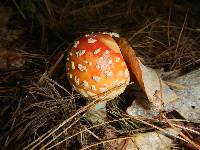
[11, 60]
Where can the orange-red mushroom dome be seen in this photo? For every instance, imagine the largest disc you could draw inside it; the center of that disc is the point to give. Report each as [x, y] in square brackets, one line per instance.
[96, 68]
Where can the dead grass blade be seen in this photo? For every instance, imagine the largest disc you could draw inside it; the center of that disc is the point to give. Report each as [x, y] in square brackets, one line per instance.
[178, 41]
[64, 131]
[43, 138]
[155, 127]
[85, 130]
[106, 141]
[168, 28]
[52, 68]
[187, 139]
[142, 29]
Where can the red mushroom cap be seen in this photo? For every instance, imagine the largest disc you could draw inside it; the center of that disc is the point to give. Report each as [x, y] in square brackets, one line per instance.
[96, 68]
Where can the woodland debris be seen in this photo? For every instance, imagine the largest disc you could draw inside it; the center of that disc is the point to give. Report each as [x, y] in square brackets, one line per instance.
[159, 95]
[148, 79]
[187, 104]
[155, 140]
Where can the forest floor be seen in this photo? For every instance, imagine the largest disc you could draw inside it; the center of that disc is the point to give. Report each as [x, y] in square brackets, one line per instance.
[39, 108]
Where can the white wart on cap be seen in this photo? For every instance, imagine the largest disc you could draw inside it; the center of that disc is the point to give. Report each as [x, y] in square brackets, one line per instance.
[96, 68]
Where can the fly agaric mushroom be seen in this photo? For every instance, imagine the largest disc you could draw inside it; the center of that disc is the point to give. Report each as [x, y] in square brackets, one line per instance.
[96, 68]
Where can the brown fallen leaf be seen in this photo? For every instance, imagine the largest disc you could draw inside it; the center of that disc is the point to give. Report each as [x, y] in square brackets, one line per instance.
[131, 60]
[11, 60]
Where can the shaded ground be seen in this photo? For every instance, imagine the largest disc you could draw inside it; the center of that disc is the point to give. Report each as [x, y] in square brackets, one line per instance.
[164, 33]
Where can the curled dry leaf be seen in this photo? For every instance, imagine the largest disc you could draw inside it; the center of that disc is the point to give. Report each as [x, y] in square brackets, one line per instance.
[155, 89]
[10, 60]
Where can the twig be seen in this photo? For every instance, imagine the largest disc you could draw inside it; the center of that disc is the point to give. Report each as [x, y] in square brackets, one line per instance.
[183, 135]
[86, 130]
[92, 133]
[65, 130]
[48, 73]
[168, 28]
[106, 141]
[43, 138]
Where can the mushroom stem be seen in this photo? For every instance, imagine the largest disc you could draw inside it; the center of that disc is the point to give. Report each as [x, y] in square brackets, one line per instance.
[97, 114]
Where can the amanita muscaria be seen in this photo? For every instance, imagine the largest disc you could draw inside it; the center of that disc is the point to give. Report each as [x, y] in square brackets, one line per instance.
[96, 68]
